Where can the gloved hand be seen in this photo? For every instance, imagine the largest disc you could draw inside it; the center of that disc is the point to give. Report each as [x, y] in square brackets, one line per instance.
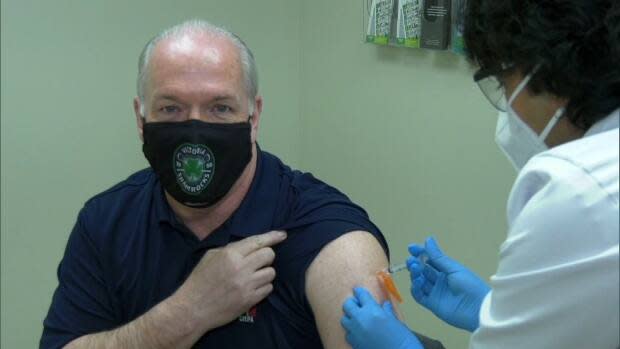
[445, 287]
[371, 326]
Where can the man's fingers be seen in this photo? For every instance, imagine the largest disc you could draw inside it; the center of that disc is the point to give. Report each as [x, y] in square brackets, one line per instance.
[253, 243]
[260, 258]
[262, 292]
[264, 276]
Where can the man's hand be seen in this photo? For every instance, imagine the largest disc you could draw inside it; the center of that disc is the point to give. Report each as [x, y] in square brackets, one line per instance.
[225, 283]
[369, 325]
[445, 287]
[230, 280]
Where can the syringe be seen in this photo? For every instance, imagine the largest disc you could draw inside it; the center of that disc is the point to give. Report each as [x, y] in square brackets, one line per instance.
[394, 268]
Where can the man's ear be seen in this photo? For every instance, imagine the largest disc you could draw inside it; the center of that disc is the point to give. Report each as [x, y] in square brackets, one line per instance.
[255, 117]
[139, 117]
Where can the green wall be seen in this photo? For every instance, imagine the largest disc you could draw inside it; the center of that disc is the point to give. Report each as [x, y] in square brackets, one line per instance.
[407, 135]
[68, 130]
[403, 132]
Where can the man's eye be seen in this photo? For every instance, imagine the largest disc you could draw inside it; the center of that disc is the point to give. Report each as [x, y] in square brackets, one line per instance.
[170, 109]
[222, 109]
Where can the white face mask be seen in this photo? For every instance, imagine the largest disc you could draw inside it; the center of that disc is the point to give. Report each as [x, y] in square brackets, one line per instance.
[515, 138]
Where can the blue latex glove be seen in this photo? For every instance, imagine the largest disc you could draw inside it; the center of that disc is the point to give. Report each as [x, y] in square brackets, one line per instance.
[371, 326]
[445, 287]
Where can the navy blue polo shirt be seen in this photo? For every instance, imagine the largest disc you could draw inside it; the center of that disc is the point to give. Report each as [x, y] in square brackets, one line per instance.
[128, 252]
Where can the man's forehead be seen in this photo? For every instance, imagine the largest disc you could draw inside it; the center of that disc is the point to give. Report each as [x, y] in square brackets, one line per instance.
[193, 61]
[195, 50]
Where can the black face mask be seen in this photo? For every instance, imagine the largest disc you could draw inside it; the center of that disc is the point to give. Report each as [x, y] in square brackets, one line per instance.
[197, 162]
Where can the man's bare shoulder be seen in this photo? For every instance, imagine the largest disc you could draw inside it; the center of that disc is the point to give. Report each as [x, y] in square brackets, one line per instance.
[348, 261]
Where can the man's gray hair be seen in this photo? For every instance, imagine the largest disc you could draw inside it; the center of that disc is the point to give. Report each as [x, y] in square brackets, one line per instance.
[248, 65]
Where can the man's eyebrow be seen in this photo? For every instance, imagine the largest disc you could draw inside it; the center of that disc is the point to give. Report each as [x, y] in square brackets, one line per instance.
[170, 97]
[225, 98]
[215, 99]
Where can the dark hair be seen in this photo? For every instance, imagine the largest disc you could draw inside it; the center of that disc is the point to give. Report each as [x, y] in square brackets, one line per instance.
[576, 43]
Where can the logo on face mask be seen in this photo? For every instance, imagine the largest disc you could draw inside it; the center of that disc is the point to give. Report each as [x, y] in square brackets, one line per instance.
[194, 165]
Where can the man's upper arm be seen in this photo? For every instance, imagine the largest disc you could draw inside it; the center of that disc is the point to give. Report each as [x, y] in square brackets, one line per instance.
[80, 304]
[351, 260]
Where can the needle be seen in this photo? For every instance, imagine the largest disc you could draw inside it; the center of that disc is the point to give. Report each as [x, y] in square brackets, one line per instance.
[398, 267]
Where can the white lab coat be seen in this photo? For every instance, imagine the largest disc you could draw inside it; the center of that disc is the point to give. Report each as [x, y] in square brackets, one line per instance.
[556, 285]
